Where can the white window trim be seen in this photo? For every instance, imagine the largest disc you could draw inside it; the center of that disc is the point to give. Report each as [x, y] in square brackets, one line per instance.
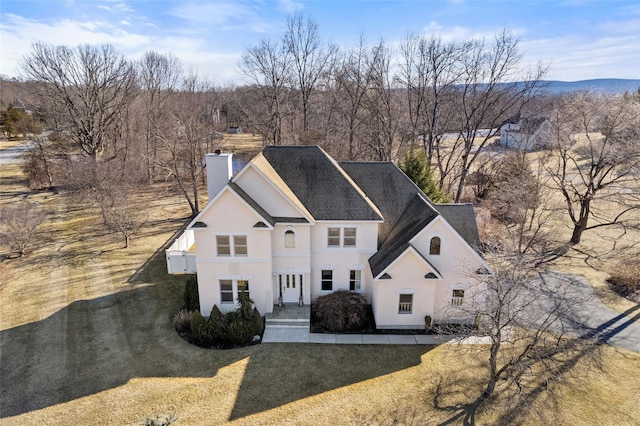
[341, 236]
[234, 286]
[232, 245]
[432, 236]
[283, 233]
[410, 304]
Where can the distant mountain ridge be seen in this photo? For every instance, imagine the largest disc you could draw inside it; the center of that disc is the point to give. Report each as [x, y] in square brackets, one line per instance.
[602, 85]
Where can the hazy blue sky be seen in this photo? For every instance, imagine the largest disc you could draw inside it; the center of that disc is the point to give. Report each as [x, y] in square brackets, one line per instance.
[581, 39]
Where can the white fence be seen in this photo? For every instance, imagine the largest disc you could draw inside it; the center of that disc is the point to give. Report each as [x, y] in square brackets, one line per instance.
[181, 257]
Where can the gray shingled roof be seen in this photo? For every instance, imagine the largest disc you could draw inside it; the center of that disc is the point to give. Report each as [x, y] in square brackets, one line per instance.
[388, 187]
[319, 184]
[406, 209]
[413, 220]
[462, 218]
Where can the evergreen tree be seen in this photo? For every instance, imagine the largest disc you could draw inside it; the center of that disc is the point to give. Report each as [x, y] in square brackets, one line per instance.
[416, 168]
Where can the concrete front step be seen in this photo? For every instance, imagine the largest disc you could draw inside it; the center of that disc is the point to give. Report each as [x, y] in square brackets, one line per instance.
[287, 324]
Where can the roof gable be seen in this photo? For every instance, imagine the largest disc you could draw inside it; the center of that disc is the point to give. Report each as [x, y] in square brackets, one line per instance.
[261, 215]
[473, 250]
[410, 251]
[319, 183]
[414, 219]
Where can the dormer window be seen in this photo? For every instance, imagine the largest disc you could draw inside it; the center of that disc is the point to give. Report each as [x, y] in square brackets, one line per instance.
[289, 239]
[434, 246]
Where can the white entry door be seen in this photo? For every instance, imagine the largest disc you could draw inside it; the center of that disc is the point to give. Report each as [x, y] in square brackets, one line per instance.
[291, 286]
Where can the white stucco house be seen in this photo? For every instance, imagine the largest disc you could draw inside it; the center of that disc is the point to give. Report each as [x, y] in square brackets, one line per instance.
[526, 134]
[295, 224]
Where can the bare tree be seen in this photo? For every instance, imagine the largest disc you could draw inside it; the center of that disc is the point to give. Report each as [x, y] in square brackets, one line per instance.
[428, 70]
[521, 200]
[490, 90]
[158, 76]
[190, 136]
[267, 66]
[353, 76]
[381, 105]
[596, 143]
[530, 328]
[86, 88]
[37, 164]
[18, 224]
[121, 214]
[308, 57]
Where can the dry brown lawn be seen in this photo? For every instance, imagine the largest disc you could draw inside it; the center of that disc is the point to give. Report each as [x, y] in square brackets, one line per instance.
[86, 337]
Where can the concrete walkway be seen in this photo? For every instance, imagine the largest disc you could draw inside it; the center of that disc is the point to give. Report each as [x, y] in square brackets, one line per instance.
[291, 324]
[275, 334]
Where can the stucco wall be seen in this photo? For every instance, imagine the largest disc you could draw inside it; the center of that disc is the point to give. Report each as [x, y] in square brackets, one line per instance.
[342, 259]
[231, 216]
[407, 278]
[456, 263]
[268, 197]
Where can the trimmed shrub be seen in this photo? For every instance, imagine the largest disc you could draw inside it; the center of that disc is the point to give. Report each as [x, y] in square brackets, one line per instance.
[241, 323]
[182, 320]
[258, 322]
[427, 322]
[235, 328]
[341, 311]
[191, 298]
[200, 329]
[241, 331]
[217, 325]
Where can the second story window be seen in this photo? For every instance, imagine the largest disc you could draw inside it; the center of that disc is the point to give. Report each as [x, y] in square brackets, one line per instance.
[333, 237]
[349, 237]
[434, 246]
[341, 237]
[226, 249]
[240, 245]
[289, 239]
[222, 243]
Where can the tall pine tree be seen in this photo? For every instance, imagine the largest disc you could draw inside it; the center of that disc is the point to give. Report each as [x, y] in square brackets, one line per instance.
[416, 168]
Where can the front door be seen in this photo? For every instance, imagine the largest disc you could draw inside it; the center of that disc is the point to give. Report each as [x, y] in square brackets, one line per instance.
[291, 287]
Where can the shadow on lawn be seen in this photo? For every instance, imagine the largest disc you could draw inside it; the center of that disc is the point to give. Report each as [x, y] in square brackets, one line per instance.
[279, 374]
[94, 345]
[91, 346]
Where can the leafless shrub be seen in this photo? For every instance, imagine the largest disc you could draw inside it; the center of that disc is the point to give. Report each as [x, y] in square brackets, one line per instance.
[625, 279]
[19, 223]
[182, 320]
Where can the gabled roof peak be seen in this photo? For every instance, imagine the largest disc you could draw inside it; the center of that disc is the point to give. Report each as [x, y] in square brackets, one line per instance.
[320, 184]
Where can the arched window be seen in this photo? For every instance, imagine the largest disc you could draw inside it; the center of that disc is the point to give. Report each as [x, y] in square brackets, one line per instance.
[434, 245]
[289, 239]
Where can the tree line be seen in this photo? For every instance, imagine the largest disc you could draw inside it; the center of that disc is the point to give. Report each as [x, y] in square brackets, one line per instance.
[139, 122]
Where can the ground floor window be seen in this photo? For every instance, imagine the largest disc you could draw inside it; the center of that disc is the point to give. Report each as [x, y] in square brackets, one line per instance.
[406, 304]
[226, 291]
[243, 287]
[457, 297]
[355, 280]
[327, 280]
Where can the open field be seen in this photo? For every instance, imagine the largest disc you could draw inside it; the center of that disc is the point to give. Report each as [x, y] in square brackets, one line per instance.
[86, 337]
